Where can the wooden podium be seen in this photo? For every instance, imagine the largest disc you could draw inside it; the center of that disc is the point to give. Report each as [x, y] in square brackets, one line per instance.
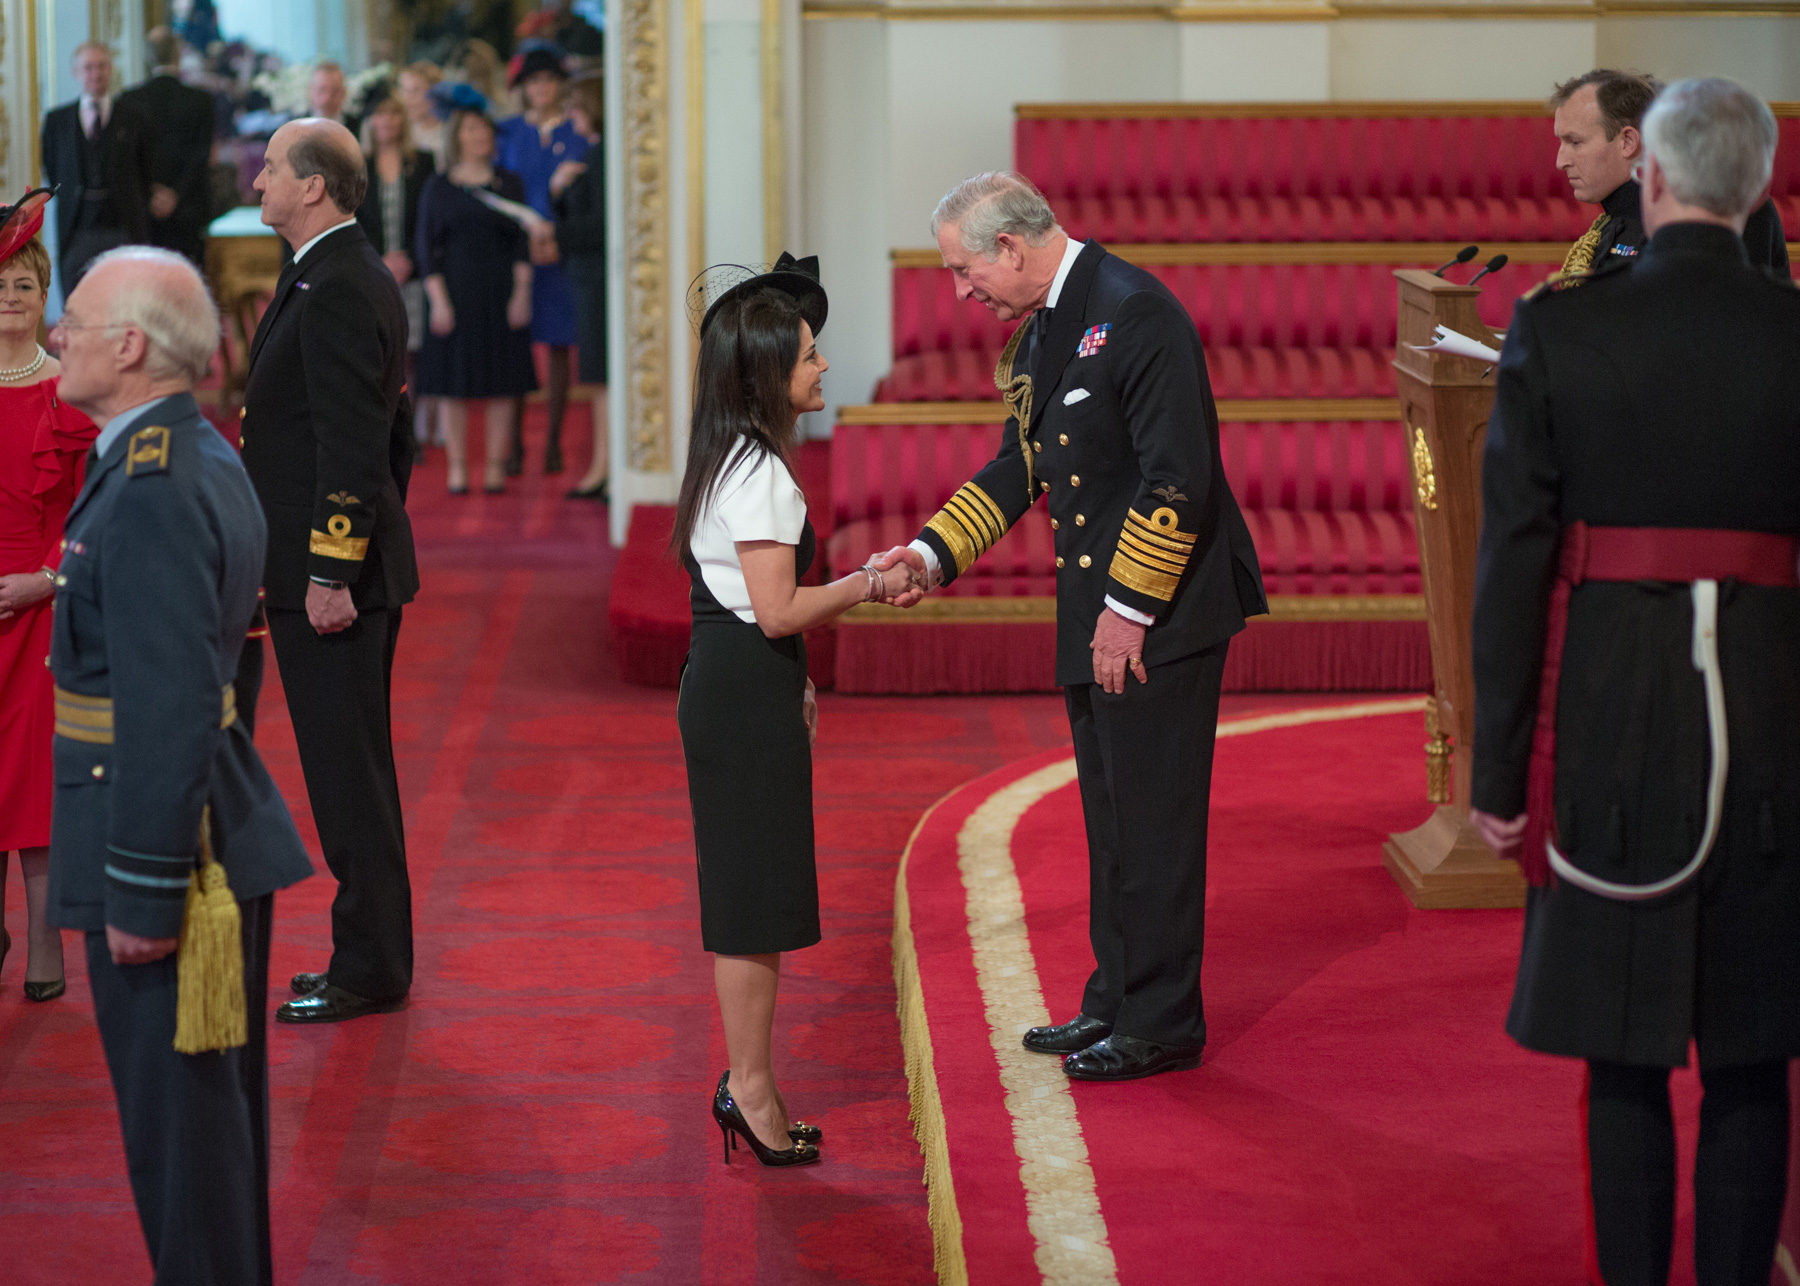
[1444, 405]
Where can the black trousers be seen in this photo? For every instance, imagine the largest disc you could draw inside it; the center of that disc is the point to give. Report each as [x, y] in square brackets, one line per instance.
[338, 688]
[1144, 759]
[196, 1126]
[1740, 1172]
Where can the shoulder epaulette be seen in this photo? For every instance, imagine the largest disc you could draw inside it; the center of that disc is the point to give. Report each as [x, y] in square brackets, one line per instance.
[147, 452]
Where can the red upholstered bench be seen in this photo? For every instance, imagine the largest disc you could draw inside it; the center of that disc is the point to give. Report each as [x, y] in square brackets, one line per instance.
[1328, 503]
[1271, 329]
[1272, 172]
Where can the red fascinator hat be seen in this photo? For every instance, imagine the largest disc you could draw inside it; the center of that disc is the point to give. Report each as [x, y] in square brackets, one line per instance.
[20, 222]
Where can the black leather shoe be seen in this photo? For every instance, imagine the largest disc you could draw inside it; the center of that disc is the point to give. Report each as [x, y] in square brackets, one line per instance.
[1067, 1038]
[304, 984]
[331, 1004]
[1126, 1058]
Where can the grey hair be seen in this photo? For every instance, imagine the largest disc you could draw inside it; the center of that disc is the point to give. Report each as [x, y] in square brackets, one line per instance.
[1716, 142]
[181, 325]
[989, 204]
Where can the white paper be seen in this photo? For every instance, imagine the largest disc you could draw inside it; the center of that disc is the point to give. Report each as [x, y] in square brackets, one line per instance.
[1456, 344]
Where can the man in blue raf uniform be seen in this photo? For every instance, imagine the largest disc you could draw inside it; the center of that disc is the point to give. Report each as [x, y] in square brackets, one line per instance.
[1113, 420]
[1637, 682]
[164, 551]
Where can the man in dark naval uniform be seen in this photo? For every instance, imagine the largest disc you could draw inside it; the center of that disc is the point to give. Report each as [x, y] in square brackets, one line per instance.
[1113, 420]
[1637, 670]
[1599, 119]
[327, 438]
[163, 552]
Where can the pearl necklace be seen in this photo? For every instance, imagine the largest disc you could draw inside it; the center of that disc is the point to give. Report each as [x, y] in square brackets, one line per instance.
[30, 368]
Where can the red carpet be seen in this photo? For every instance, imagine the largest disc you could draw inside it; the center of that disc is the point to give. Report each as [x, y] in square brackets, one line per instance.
[539, 1114]
[1360, 1115]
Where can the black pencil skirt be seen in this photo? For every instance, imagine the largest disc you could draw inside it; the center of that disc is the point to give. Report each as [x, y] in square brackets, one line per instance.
[749, 766]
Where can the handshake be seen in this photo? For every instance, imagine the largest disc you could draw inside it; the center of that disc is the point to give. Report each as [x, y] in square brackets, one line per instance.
[898, 578]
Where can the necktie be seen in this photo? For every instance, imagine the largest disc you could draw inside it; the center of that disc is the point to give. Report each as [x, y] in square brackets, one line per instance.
[96, 120]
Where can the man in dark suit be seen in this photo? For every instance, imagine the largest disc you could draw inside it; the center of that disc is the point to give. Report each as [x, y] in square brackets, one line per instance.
[97, 155]
[1641, 522]
[327, 441]
[1113, 420]
[156, 778]
[180, 172]
[1598, 123]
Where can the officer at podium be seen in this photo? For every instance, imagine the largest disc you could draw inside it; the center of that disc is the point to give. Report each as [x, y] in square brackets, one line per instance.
[1599, 118]
[1637, 678]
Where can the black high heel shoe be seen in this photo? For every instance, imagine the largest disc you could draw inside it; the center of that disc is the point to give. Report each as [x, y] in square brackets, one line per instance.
[732, 1124]
[42, 991]
[801, 1132]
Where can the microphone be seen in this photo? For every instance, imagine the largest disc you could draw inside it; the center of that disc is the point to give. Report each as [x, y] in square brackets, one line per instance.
[1493, 265]
[1462, 256]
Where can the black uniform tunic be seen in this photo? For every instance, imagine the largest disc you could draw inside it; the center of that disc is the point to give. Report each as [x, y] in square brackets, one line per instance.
[1622, 236]
[749, 767]
[1124, 441]
[1660, 393]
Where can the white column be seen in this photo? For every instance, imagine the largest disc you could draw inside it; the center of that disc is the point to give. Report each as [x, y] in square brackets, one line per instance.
[19, 101]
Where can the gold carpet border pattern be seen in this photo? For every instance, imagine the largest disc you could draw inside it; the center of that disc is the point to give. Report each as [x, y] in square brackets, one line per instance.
[1062, 1203]
[927, 1111]
[1061, 1199]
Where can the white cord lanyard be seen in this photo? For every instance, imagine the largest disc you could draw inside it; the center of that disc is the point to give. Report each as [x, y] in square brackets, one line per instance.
[1706, 660]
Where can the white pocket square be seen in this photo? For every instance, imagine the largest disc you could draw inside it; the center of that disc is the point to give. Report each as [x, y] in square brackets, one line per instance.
[1075, 395]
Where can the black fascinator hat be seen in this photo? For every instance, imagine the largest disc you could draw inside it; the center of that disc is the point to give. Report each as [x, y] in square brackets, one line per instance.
[796, 277]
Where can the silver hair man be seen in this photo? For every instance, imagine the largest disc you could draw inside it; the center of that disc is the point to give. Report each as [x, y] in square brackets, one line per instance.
[984, 207]
[1715, 143]
[172, 307]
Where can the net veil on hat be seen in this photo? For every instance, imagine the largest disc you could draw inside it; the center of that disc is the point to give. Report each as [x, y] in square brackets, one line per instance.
[722, 282]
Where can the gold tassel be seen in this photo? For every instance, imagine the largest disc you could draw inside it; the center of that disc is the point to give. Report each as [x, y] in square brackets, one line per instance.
[1015, 391]
[1580, 259]
[211, 1011]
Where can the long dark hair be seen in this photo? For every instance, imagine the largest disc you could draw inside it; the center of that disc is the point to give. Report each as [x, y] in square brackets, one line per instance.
[747, 359]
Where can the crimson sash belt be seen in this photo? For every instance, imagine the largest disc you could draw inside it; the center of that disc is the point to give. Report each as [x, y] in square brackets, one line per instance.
[1684, 554]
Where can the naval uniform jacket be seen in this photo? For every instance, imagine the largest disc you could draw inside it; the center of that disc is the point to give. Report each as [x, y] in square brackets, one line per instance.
[1622, 236]
[1124, 442]
[327, 427]
[163, 554]
[1661, 393]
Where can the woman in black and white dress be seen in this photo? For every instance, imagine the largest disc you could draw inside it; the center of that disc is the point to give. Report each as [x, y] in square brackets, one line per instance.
[746, 709]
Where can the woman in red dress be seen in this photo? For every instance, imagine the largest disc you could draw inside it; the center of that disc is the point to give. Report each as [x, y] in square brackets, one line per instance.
[43, 445]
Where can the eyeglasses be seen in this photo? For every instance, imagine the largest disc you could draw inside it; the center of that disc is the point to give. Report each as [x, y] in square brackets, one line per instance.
[65, 325]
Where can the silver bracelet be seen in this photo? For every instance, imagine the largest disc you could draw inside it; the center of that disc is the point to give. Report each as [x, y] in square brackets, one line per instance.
[48, 574]
[871, 595]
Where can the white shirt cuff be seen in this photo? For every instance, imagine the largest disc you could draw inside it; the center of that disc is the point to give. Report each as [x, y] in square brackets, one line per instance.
[1129, 613]
[931, 560]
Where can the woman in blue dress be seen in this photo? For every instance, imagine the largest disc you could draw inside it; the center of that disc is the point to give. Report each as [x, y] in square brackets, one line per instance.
[544, 149]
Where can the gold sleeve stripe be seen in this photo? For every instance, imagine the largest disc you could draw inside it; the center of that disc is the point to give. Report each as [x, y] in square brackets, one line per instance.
[348, 549]
[1130, 546]
[955, 537]
[969, 525]
[1168, 534]
[969, 491]
[1157, 584]
[976, 520]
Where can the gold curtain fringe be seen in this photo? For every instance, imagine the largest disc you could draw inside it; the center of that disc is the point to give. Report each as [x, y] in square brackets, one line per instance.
[927, 1110]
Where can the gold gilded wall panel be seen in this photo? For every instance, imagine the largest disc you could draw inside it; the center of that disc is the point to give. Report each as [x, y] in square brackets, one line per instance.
[645, 50]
